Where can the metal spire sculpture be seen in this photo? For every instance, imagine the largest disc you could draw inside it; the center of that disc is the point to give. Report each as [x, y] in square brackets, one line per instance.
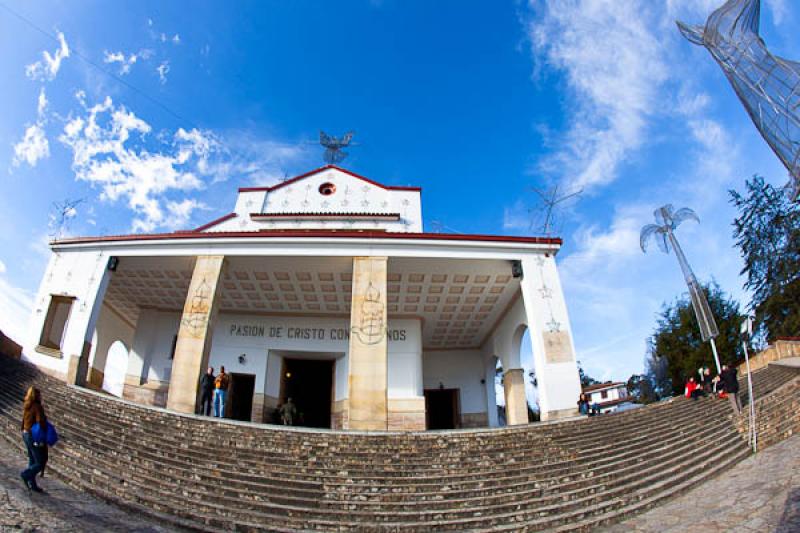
[767, 85]
[664, 233]
[333, 146]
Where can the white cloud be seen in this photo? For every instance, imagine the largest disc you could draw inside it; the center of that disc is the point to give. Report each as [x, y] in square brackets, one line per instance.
[163, 70]
[32, 148]
[2, 267]
[47, 68]
[614, 67]
[34, 145]
[110, 151]
[126, 62]
[15, 311]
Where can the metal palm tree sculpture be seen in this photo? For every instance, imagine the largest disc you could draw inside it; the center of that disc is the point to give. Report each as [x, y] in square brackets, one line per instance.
[664, 233]
[767, 85]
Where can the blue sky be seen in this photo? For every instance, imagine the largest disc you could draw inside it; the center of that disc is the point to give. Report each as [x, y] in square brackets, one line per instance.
[477, 102]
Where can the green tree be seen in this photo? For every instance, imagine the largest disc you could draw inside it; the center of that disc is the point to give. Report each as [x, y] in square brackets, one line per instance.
[641, 388]
[677, 337]
[585, 378]
[767, 231]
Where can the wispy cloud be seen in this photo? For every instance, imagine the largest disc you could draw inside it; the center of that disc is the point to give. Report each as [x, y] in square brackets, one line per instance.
[124, 62]
[163, 70]
[613, 68]
[109, 147]
[16, 308]
[47, 68]
[34, 145]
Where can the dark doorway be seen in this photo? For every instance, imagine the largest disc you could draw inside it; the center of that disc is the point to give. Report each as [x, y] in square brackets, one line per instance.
[441, 408]
[309, 383]
[240, 394]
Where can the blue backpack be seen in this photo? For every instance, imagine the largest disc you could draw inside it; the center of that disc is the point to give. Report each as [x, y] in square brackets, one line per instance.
[48, 436]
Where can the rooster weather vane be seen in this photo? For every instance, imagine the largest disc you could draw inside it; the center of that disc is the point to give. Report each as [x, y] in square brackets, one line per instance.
[767, 85]
[333, 146]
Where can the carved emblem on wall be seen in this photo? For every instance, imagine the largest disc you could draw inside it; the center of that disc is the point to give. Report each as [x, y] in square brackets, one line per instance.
[196, 320]
[371, 328]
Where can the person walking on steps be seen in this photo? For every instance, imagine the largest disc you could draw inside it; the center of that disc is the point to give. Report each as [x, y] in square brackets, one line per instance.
[207, 391]
[220, 392]
[33, 413]
[730, 384]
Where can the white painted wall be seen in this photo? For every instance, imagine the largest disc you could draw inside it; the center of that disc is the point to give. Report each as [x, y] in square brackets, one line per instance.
[545, 309]
[82, 274]
[257, 336]
[109, 329]
[116, 365]
[352, 195]
[457, 369]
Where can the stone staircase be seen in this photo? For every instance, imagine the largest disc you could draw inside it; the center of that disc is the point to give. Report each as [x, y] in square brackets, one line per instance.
[206, 474]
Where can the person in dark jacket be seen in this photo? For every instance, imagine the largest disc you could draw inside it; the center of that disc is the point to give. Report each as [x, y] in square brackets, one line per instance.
[33, 413]
[730, 384]
[583, 404]
[207, 391]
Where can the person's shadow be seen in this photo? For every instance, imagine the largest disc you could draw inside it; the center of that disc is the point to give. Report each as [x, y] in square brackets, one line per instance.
[790, 520]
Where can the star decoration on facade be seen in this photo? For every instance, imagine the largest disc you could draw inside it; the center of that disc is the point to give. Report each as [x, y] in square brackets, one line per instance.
[344, 203]
[540, 260]
[384, 204]
[546, 292]
[554, 325]
[325, 204]
[365, 203]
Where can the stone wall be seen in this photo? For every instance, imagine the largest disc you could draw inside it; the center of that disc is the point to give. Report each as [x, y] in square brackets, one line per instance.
[9, 347]
[777, 415]
[781, 349]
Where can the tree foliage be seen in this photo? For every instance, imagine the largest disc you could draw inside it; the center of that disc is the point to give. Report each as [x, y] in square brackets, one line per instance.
[585, 378]
[677, 337]
[767, 231]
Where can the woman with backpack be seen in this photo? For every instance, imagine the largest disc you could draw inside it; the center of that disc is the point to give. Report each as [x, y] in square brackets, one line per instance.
[32, 414]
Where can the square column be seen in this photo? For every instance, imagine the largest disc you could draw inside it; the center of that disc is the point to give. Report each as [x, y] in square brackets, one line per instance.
[194, 334]
[551, 337]
[516, 401]
[368, 360]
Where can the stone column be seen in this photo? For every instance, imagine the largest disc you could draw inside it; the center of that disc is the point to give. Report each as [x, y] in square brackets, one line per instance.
[194, 334]
[516, 402]
[368, 373]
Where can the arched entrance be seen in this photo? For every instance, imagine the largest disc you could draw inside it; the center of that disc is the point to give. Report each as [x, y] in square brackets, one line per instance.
[116, 364]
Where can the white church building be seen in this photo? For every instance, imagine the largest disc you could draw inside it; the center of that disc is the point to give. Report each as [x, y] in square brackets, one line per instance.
[324, 288]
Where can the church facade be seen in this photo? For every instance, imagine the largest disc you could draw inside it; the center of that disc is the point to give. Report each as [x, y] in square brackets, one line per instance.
[325, 289]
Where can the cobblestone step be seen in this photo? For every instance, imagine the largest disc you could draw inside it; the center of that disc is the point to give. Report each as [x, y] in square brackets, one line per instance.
[212, 474]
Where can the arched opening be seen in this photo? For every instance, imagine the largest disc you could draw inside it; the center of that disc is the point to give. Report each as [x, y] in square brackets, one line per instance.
[116, 364]
[531, 385]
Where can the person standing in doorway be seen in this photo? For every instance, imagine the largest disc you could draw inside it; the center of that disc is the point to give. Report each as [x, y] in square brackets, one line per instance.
[288, 412]
[220, 392]
[730, 384]
[33, 413]
[207, 391]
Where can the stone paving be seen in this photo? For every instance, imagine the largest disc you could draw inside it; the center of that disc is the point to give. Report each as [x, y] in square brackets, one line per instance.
[760, 494]
[60, 508]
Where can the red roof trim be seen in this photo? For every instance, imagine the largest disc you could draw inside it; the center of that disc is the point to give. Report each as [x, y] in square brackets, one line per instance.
[213, 223]
[393, 216]
[600, 386]
[370, 234]
[327, 167]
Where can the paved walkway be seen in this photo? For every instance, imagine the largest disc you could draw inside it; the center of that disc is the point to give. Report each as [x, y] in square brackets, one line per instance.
[61, 508]
[761, 494]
